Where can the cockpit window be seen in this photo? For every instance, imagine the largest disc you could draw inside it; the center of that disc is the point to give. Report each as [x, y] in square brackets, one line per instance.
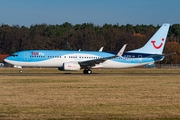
[14, 55]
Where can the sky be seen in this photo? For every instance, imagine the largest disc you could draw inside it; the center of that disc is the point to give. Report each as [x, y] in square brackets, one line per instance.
[98, 12]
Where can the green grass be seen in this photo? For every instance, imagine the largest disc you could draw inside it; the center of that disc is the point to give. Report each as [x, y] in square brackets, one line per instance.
[90, 96]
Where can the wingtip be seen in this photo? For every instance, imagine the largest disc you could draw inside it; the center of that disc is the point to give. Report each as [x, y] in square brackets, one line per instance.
[120, 53]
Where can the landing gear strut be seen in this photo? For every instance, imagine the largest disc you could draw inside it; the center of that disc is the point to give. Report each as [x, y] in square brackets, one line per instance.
[87, 71]
[20, 71]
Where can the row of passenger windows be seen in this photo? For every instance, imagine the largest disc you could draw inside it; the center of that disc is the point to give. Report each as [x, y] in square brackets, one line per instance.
[46, 56]
[127, 56]
[65, 57]
[81, 57]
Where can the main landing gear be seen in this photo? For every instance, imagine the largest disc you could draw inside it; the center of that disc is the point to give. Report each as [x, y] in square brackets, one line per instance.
[87, 71]
[21, 71]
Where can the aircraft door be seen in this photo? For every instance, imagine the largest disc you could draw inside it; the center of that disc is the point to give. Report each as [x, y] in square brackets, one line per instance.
[25, 56]
[140, 59]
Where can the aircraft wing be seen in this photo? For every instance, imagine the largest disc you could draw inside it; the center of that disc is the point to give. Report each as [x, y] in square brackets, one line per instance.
[90, 63]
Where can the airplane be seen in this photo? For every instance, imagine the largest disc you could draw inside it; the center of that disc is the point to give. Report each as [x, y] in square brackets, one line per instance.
[150, 53]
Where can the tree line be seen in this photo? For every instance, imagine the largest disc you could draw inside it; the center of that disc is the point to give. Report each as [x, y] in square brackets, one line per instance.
[86, 36]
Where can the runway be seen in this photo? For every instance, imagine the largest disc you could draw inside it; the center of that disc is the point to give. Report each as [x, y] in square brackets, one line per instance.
[93, 74]
[96, 72]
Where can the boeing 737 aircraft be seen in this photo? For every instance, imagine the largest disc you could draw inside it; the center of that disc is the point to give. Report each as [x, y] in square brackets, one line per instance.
[75, 60]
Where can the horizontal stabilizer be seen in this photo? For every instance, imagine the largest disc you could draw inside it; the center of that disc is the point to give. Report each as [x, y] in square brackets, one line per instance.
[160, 55]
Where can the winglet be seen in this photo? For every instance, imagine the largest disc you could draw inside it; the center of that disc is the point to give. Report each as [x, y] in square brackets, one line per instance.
[121, 51]
[101, 49]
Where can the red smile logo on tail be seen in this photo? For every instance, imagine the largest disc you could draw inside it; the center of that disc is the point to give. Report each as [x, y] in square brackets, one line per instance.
[155, 46]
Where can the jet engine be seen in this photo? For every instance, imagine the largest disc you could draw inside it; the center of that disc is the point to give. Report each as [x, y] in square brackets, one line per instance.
[70, 66]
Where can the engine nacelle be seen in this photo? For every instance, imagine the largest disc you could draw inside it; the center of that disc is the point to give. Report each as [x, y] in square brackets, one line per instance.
[1, 65]
[70, 66]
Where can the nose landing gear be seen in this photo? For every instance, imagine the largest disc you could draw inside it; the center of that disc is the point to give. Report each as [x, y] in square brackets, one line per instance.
[20, 71]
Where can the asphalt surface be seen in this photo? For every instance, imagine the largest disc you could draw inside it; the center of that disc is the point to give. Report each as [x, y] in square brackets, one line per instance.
[93, 74]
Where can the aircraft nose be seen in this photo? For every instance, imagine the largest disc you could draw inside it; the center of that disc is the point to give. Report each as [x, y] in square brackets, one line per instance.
[6, 60]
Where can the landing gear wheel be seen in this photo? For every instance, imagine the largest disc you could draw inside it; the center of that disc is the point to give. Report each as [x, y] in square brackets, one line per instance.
[20, 71]
[87, 71]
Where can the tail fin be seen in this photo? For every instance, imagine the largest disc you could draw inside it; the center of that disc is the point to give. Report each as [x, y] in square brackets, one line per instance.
[156, 44]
